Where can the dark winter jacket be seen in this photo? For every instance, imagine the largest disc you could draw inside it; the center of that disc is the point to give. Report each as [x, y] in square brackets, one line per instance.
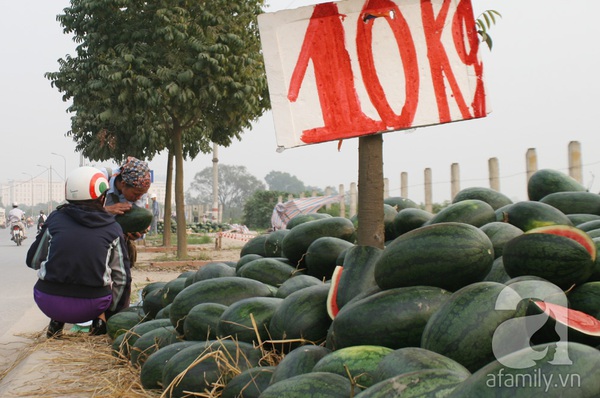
[81, 252]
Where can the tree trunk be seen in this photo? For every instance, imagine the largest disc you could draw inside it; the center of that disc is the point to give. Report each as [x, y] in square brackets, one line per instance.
[215, 187]
[168, 200]
[371, 230]
[179, 200]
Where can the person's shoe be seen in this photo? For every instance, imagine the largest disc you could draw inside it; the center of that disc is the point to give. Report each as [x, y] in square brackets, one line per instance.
[98, 327]
[55, 329]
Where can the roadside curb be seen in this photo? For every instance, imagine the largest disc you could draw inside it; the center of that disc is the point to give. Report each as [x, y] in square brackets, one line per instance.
[18, 360]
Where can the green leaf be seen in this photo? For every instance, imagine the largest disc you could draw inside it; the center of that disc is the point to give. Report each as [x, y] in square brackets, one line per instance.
[487, 20]
[484, 23]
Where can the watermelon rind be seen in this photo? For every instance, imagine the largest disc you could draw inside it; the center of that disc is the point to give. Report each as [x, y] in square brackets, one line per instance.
[469, 211]
[136, 219]
[527, 215]
[198, 367]
[576, 202]
[299, 361]
[556, 258]
[546, 181]
[295, 244]
[410, 218]
[406, 309]
[152, 369]
[250, 383]
[447, 255]
[566, 367]
[492, 197]
[150, 342]
[273, 242]
[295, 283]
[586, 298]
[202, 321]
[463, 327]
[359, 362]
[314, 385]
[247, 319]
[225, 290]
[301, 318]
[420, 383]
[571, 232]
[322, 254]
[500, 233]
[303, 218]
[412, 359]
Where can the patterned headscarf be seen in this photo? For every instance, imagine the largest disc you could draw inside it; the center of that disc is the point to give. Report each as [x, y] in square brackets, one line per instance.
[135, 173]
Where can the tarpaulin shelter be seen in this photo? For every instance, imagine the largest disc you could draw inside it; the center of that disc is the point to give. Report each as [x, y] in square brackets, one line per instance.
[284, 212]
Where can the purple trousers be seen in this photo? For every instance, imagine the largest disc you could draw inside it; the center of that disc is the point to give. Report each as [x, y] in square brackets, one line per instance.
[71, 309]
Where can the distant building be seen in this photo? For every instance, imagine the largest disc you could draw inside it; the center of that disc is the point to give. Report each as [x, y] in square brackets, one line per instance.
[37, 191]
[32, 192]
[160, 189]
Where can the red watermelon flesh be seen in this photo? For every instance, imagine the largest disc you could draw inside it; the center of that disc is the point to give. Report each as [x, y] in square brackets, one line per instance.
[574, 319]
[570, 232]
[332, 306]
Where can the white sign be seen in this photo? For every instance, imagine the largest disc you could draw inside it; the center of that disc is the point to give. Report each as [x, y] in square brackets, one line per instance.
[356, 67]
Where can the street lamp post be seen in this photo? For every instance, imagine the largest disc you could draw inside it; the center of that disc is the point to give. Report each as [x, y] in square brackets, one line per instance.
[32, 193]
[65, 164]
[49, 169]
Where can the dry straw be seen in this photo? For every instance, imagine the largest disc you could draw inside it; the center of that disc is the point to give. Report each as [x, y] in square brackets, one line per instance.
[79, 365]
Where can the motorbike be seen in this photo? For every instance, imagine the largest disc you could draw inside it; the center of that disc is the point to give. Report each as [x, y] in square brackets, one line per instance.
[17, 234]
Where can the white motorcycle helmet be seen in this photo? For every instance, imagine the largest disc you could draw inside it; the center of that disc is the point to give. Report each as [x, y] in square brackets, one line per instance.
[85, 183]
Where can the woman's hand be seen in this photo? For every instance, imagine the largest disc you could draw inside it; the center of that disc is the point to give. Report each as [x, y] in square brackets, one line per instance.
[118, 208]
[134, 235]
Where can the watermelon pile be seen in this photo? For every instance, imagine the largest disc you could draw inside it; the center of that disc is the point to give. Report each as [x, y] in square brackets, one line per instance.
[486, 298]
[202, 227]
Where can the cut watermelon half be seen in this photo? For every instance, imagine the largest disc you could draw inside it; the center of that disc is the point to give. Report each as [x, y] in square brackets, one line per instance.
[575, 320]
[570, 232]
[332, 306]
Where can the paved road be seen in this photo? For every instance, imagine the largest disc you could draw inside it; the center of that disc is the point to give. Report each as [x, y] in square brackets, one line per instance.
[16, 281]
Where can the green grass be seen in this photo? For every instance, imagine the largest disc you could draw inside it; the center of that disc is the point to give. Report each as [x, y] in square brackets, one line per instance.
[199, 239]
[193, 239]
[173, 257]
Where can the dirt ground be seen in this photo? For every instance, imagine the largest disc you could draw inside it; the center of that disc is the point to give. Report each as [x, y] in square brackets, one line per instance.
[157, 264]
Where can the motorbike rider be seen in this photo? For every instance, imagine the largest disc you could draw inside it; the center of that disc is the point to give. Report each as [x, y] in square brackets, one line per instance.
[16, 216]
[41, 220]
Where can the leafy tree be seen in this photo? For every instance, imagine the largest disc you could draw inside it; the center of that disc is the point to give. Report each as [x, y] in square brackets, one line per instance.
[436, 207]
[334, 210]
[282, 181]
[310, 189]
[235, 186]
[173, 75]
[258, 209]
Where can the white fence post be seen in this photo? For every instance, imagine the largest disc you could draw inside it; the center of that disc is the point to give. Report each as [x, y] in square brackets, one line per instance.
[404, 184]
[353, 200]
[494, 170]
[530, 162]
[575, 161]
[454, 180]
[428, 191]
[342, 201]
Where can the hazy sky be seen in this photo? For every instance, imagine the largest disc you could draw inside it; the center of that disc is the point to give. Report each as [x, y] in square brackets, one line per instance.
[542, 80]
